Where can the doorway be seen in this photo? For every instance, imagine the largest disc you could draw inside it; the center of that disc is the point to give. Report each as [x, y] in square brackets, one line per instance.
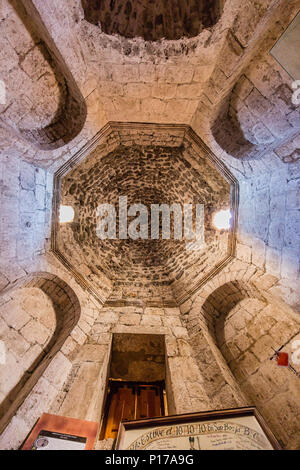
[136, 381]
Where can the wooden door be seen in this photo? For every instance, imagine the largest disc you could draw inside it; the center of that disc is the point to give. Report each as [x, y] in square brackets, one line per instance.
[128, 401]
[122, 407]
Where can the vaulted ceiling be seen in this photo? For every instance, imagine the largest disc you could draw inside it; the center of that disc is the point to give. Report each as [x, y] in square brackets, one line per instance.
[149, 165]
[155, 19]
[71, 67]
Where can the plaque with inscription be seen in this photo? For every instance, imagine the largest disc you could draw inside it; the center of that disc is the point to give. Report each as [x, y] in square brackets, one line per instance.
[53, 432]
[235, 429]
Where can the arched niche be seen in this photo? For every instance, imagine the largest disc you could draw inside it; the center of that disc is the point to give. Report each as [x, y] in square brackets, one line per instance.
[258, 113]
[248, 325]
[66, 309]
[43, 103]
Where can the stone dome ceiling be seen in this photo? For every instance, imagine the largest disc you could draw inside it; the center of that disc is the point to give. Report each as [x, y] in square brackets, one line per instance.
[155, 19]
[148, 172]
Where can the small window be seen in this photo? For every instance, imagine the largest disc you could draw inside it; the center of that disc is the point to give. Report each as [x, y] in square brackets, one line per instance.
[66, 214]
[222, 220]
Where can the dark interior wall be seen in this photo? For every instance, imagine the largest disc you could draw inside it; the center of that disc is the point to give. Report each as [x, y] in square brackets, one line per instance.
[138, 358]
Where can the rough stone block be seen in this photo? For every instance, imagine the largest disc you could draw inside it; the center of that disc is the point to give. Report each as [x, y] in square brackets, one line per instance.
[130, 319]
[151, 320]
[58, 370]
[34, 332]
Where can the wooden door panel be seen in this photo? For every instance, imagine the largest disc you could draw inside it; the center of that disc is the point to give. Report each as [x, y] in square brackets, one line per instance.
[127, 402]
[149, 402]
[142, 404]
[130, 401]
[111, 422]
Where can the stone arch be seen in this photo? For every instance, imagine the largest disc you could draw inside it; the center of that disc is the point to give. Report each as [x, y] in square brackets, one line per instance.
[50, 104]
[254, 117]
[228, 132]
[248, 325]
[67, 311]
[223, 299]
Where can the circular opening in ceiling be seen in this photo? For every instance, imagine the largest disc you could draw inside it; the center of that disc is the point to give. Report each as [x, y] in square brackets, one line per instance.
[153, 19]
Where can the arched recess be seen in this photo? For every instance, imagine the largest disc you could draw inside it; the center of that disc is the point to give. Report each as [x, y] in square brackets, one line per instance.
[258, 114]
[43, 103]
[248, 325]
[67, 311]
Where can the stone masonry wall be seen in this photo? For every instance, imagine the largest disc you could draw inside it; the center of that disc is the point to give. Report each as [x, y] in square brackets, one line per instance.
[185, 387]
[125, 80]
[132, 80]
[238, 320]
[247, 337]
[28, 321]
[76, 312]
[26, 196]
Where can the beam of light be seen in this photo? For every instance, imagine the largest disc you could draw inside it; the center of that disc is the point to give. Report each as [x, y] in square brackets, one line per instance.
[66, 214]
[222, 220]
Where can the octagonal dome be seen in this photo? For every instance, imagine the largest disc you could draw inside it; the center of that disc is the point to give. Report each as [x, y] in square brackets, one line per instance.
[149, 164]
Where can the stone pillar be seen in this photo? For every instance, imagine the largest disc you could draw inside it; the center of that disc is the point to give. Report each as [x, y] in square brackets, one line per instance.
[218, 381]
[184, 382]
